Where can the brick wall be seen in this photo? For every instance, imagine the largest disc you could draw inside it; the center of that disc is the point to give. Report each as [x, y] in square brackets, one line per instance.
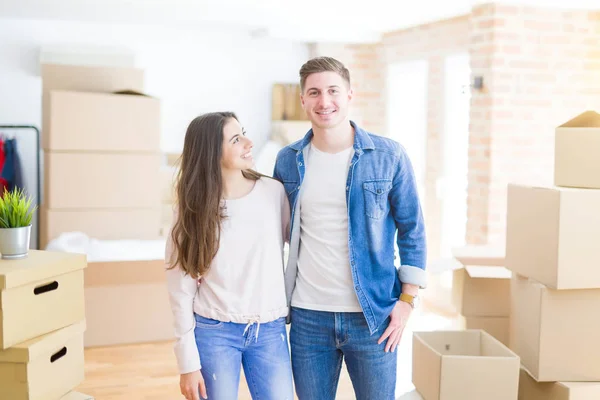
[367, 78]
[432, 42]
[540, 68]
[368, 65]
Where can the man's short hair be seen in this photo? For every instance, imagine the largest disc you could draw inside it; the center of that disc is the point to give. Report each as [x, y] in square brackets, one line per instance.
[323, 64]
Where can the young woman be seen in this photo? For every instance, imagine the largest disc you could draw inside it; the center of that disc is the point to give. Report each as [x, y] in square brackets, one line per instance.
[225, 267]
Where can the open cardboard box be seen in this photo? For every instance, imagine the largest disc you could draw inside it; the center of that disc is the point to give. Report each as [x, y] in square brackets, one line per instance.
[464, 365]
[488, 255]
[481, 291]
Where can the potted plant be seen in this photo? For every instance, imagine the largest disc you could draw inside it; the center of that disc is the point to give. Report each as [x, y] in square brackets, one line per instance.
[16, 213]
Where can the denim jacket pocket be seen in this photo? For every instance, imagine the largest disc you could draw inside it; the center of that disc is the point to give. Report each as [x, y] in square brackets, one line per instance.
[375, 193]
[207, 323]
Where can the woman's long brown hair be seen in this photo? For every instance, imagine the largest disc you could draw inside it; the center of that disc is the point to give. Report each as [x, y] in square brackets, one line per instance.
[199, 188]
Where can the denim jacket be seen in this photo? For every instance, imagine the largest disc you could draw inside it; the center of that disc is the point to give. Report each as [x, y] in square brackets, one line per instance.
[383, 208]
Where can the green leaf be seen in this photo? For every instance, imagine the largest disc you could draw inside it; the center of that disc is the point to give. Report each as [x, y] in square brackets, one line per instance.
[16, 209]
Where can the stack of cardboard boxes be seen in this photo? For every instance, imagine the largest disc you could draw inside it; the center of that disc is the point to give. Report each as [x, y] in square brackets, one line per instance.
[101, 151]
[553, 250]
[42, 322]
[481, 291]
[474, 363]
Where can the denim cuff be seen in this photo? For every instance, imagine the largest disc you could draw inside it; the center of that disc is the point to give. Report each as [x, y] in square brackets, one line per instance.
[413, 276]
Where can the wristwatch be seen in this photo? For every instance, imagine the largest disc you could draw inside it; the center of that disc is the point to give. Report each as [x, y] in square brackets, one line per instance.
[407, 298]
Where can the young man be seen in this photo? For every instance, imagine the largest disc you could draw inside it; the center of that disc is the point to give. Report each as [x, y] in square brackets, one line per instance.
[352, 195]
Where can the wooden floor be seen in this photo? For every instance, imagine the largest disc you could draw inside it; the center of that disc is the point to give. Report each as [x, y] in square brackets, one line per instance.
[148, 372]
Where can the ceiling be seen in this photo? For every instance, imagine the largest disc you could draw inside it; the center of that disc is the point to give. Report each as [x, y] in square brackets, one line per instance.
[302, 20]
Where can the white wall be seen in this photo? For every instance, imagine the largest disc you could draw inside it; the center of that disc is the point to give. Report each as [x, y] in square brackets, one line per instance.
[191, 69]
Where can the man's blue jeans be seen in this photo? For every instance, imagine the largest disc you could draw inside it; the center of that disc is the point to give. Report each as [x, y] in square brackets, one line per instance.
[262, 350]
[321, 340]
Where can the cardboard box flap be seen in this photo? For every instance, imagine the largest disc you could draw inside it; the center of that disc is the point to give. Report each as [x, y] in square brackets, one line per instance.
[479, 255]
[490, 272]
[129, 92]
[588, 119]
[76, 396]
[39, 265]
[42, 345]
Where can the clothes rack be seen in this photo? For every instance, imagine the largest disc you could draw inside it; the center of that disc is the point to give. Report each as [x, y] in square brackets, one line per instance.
[16, 131]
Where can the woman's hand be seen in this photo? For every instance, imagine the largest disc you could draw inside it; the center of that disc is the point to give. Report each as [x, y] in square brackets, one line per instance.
[192, 383]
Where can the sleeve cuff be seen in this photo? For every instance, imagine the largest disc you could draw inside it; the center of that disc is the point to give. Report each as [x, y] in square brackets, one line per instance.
[186, 353]
[413, 276]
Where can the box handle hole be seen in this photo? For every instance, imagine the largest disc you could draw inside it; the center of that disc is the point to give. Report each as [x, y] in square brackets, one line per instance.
[59, 354]
[46, 288]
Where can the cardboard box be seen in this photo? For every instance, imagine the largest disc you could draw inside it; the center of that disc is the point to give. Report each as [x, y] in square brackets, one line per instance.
[555, 332]
[91, 79]
[576, 149]
[498, 327]
[102, 122]
[481, 291]
[84, 79]
[138, 223]
[101, 180]
[127, 302]
[39, 294]
[487, 255]
[552, 235]
[529, 389]
[463, 365]
[76, 396]
[286, 103]
[277, 102]
[43, 368]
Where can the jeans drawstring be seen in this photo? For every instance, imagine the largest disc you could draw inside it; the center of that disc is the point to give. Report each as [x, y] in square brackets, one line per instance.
[256, 321]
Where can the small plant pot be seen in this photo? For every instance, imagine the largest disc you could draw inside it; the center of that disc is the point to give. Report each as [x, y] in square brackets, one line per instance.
[14, 242]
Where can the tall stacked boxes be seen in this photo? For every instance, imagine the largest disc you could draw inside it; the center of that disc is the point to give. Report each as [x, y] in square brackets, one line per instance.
[101, 144]
[42, 322]
[552, 248]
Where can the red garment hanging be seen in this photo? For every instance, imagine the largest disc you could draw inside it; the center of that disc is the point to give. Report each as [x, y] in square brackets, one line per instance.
[3, 182]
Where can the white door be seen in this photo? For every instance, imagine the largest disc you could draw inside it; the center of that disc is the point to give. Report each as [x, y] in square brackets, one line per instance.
[452, 186]
[407, 113]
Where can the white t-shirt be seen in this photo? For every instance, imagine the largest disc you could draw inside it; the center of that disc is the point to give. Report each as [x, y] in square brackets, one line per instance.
[324, 281]
[245, 281]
